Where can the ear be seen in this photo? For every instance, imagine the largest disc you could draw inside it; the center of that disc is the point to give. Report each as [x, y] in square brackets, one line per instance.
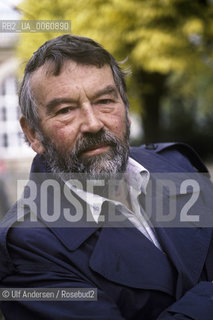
[32, 136]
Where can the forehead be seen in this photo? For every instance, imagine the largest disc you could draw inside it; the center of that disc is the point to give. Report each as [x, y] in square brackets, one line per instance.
[72, 76]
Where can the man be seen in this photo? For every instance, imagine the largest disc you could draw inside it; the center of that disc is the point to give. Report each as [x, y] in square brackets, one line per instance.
[98, 234]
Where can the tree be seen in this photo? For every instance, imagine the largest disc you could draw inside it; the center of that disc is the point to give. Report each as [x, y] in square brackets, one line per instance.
[160, 37]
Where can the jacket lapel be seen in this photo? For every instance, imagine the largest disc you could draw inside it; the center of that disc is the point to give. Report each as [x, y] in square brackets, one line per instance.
[187, 249]
[126, 257]
[68, 217]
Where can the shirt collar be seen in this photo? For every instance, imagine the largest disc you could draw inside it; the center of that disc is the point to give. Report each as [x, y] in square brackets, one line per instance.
[137, 177]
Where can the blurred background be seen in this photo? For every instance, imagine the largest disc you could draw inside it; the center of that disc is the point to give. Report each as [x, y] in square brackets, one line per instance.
[169, 49]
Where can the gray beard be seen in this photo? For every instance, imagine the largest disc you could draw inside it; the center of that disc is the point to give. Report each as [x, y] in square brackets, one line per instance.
[102, 166]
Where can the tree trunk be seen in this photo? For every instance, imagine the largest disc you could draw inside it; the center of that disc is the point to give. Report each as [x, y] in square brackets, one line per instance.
[152, 89]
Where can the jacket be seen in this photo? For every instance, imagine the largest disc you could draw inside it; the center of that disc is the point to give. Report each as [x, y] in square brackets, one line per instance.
[133, 278]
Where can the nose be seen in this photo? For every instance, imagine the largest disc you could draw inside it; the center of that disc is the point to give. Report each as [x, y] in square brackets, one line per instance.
[90, 121]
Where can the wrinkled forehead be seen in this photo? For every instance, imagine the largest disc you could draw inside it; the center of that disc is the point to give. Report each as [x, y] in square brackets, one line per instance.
[50, 69]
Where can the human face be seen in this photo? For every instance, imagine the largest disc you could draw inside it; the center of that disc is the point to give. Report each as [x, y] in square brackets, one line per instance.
[81, 112]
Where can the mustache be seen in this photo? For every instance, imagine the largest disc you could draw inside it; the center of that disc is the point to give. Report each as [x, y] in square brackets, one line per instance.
[90, 141]
[61, 160]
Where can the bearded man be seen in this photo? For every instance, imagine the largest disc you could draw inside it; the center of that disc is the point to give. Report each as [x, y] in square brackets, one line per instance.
[82, 226]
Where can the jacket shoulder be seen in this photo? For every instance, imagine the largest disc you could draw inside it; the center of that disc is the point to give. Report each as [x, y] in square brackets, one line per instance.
[178, 153]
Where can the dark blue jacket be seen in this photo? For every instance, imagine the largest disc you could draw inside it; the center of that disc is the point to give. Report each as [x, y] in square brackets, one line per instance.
[134, 279]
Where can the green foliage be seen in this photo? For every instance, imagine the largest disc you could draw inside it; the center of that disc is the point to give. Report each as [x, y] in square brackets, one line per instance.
[172, 38]
[156, 35]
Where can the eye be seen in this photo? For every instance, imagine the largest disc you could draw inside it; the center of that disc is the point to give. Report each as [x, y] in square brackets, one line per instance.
[105, 101]
[64, 110]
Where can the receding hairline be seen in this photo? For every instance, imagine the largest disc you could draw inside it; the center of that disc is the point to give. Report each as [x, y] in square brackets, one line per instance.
[48, 67]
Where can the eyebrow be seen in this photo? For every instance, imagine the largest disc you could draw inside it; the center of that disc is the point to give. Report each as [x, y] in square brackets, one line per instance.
[107, 90]
[110, 89]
